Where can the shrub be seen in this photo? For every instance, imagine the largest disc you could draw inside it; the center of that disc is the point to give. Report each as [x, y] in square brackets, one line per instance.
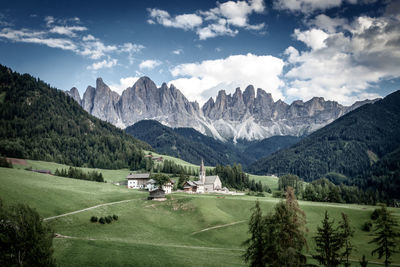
[366, 226]
[94, 219]
[102, 220]
[115, 217]
[259, 194]
[108, 219]
[278, 194]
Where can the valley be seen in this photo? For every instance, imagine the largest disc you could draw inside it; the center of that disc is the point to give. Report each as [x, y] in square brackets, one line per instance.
[171, 229]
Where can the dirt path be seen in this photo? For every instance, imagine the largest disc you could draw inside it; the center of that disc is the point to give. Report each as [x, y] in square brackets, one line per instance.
[218, 226]
[90, 208]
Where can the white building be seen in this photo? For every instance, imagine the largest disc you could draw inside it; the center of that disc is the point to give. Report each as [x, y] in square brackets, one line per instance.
[151, 185]
[138, 180]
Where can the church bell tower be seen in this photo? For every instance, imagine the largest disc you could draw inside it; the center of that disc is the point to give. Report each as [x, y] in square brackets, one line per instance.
[202, 173]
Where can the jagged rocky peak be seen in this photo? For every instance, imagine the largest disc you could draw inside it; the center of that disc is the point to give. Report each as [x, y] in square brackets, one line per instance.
[74, 93]
[249, 114]
[249, 95]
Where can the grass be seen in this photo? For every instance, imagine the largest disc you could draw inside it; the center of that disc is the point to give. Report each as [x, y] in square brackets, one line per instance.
[270, 181]
[156, 233]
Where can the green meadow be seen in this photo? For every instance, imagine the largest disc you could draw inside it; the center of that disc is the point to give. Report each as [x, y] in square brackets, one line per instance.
[185, 230]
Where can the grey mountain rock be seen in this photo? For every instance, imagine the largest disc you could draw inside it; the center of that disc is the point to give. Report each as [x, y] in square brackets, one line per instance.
[244, 115]
[74, 93]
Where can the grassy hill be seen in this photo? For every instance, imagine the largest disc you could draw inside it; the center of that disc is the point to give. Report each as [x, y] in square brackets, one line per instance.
[177, 232]
[43, 123]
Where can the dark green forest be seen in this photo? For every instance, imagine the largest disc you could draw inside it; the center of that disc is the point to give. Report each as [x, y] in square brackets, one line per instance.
[190, 145]
[363, 145]
[42, 123]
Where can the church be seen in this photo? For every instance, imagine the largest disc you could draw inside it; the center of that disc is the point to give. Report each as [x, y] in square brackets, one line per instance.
[204, 184]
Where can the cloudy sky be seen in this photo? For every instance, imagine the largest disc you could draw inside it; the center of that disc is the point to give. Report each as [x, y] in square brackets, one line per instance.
[343, 50]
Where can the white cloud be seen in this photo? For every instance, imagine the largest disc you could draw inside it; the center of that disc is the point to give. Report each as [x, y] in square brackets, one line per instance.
[342, 65]
[149, 64]
[177, 52]
[72, 39]
[313, 38]
[69, 31]
[39, 37]
[103, 64]
[123, 84]
[309, 6]
[185, 21]
[215, 21]
[199, 81]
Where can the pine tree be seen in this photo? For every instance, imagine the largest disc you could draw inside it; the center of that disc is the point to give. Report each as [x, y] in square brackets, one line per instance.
[345, 233]
[254, 252]
[328, 243]
[387, 235]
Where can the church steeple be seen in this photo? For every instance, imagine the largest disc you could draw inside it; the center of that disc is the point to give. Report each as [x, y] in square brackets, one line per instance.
[202, 172]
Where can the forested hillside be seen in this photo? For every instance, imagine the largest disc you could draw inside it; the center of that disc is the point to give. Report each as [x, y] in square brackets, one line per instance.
[361, 144]
[43, 123]
[184, 143]
[192, 146]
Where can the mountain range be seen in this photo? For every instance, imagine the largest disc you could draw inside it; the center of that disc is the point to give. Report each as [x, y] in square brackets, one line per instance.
[249, 115]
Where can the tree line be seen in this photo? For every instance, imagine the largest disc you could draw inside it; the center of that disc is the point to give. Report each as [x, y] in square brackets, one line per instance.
[76, 173]
[332, 189]
[278, 238]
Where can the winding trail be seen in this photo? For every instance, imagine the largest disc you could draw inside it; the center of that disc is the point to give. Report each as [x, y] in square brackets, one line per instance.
[90, 208]
[218, 226]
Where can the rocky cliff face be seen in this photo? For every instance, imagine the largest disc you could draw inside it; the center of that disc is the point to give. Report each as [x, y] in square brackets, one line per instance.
[74, 93]
[243, 115]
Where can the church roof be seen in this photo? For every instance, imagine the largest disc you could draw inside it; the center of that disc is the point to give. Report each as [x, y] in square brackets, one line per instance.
[211, 179]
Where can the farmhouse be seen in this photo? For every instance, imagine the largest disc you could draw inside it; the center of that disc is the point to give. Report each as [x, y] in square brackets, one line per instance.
[151, 185]
[157, 194]
[204, 184]
[138, 180]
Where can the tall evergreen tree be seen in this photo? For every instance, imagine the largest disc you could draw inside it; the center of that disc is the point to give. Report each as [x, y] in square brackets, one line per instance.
[328, 243]
[346, 233]
[386, 235]
[255, 244]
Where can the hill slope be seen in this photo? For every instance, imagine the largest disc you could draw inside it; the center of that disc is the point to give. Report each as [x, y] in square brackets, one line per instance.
[40, 122]
[192, 146]
[350, 145]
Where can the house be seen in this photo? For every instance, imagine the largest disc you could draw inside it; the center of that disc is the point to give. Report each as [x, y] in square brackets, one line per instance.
[157, 194]
[151, 185]
[193, 187]
[138, 180]
[42, 171]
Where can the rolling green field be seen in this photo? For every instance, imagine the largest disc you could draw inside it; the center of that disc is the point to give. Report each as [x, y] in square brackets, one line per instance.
[176, 232]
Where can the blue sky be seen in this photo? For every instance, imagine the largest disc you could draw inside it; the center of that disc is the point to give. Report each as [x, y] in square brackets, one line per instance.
[343, 50]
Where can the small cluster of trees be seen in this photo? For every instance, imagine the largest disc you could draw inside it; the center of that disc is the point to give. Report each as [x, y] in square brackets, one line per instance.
[4, 163]
[24, 239]
[79, 174]
[278, 238]
[107, 219]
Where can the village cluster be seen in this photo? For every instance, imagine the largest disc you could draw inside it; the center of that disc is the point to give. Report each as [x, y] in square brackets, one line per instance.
[205, 184]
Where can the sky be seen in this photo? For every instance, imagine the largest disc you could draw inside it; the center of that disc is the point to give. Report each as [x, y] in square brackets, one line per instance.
[342, 50]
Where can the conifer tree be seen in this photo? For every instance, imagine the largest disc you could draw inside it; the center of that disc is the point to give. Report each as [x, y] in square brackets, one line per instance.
[255, 244]
[328, 243]
[387, 235]
[346, 233]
